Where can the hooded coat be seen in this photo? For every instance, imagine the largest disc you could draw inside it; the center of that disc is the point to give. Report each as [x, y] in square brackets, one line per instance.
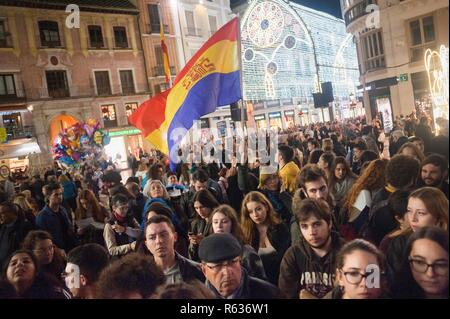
[302, 269]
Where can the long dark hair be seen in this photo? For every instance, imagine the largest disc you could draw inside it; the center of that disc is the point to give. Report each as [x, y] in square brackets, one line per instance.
[348, 172]
[206, 199]
[405, 286]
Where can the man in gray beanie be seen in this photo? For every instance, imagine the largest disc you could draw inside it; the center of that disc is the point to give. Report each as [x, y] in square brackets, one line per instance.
[220, 256]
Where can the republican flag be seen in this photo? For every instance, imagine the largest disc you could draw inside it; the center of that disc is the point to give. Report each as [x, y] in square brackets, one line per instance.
[165, 54]
[210, 79]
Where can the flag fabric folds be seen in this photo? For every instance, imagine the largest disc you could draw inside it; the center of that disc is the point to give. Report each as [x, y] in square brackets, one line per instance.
[210, 79]
[165, 54]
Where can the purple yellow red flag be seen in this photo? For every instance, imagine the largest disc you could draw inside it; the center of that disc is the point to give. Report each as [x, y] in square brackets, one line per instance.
[210, 79]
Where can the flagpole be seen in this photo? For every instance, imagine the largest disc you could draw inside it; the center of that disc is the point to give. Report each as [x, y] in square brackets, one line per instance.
[239, 45]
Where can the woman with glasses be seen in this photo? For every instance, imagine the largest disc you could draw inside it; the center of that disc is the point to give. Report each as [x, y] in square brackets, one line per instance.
[22, 272]
[424, 272]
[224, 220]
[51, 259]
[264, 231]
[359, 272]
[427, 206]
[203, 203]
[90, 217]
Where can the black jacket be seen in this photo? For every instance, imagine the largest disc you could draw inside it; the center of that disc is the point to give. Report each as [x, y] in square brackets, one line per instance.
[280, 239]
[395, 255]
[198, 226]
[189, 269]
[282, 203]
[381, 221]
[12, 236]
[302, 269]
[252, 288]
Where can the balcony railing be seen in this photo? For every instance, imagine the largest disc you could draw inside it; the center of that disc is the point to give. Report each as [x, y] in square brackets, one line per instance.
[18, 96]
[155, 28]
[59, 93]
[193, 32]
[78, 92]
[358, 11]
[109, 123]
[159, 70]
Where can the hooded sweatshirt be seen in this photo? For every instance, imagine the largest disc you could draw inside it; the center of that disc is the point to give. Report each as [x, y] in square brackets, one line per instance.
[302, 269]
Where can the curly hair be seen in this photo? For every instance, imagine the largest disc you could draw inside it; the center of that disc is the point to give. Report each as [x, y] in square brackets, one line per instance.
[133, 273]
[372, 179]
[402, 171]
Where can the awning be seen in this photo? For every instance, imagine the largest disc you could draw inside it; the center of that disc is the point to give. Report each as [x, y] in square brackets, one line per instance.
[19, 147]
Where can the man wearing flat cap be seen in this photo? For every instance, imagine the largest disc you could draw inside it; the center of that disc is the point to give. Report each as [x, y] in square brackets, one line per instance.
[220, 256]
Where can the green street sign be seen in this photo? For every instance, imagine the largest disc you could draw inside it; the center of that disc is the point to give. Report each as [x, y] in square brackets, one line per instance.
[124, 132]
[403, 77]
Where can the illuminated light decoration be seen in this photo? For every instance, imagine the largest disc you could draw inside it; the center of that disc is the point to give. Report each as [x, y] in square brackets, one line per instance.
[308, 36]
[436, 64]
[266, 24]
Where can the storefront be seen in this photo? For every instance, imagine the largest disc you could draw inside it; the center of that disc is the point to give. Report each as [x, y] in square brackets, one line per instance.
[14, 155]
[260, 121]
[122, 143]
[275, 120]
[289, 117]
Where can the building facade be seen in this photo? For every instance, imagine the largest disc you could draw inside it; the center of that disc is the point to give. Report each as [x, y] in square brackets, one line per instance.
[288, 50]
[58, 72]
[392, 38]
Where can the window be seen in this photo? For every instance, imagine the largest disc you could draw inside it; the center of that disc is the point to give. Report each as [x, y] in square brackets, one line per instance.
[159, 68]
[373, 51]
[49, 33]
[126, 79]
[422, 37]
[161, 87]
[130, 108]
[7, 87]
[102, 82]
[191, 30]
[120, 37]
[95, 36]
[4, 35]
[212, 24]
[57, 84]
[109, 115]
[153, 13]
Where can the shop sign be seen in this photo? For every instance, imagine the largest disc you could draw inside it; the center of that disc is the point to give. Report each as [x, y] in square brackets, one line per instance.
[124, 132]
[289, 113]
[274, 115]
[260, 117]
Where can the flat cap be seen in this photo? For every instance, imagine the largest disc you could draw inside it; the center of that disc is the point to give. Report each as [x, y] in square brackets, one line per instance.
[219, 247]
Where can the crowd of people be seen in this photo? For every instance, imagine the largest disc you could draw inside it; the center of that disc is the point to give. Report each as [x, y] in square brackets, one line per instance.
[351, 213]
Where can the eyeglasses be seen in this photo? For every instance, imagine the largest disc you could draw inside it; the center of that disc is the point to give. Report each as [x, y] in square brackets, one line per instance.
[355, 277]
[439, 268]
[230, 263]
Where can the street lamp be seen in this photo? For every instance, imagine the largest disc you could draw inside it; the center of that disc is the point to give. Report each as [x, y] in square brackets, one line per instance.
[30, 108]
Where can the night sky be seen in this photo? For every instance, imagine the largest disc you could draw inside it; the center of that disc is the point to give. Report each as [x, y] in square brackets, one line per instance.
[329, 6]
